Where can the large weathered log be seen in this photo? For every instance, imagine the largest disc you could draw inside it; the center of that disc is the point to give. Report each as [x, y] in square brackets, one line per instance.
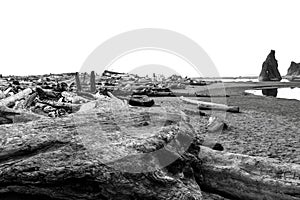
[12, 99]
[244, 177]
[202, 105]
[99, 155]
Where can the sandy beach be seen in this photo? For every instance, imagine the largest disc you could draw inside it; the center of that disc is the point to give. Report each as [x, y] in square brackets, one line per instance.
[266, 126]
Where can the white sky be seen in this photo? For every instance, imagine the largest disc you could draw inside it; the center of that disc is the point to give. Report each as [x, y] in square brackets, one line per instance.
[55, 36]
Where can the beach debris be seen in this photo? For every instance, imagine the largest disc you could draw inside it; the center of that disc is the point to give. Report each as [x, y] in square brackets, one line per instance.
[48, 94]
[154, 91]
[249, 177]
[10, 101]
[141, 100]
[61, 105]
[194, 112]
[198, 82]
[270, 70]
[210, 95]
[215, 124]
[202, 105]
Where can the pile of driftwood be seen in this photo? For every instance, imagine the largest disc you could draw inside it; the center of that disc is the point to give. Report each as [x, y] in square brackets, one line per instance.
[19, 101]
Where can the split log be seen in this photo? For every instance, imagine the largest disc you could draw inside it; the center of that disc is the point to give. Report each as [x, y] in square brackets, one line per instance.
[202, 105]
[9, 101]
[239, 176]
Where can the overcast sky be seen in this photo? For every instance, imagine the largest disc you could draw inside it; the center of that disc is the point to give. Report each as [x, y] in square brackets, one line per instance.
[38, 37]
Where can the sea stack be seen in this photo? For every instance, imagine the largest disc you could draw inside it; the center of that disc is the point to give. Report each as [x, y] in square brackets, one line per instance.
[294, 69]
[269, 71]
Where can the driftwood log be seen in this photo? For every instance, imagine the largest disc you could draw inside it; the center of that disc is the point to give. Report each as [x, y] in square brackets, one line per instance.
[67, 106]
[12, 99]
[239, 176]
[202, 105]
[117, 152]
[57, 159]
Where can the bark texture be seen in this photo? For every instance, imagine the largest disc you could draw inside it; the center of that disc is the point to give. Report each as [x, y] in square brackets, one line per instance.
[245, 177]
[56, 158]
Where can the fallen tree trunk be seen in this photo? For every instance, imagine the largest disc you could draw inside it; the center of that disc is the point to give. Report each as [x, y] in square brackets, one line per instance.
[202, 105]
[245, 177]
[8, 101]
[86, 157]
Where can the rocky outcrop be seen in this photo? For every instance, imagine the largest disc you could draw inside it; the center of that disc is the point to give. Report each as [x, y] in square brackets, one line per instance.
[269, 70]
[294, 69]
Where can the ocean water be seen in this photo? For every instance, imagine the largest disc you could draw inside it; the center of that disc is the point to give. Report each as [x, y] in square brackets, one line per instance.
[285, 93]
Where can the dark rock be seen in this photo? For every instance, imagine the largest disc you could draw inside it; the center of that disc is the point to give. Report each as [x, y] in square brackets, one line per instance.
[269, 70]
[294, 69]
[218, 147]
